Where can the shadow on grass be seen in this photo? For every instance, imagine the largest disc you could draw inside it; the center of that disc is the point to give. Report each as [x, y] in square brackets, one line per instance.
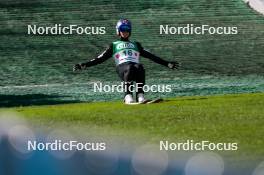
[32, 99]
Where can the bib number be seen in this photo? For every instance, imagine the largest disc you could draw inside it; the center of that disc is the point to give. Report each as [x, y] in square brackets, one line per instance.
[128, 53]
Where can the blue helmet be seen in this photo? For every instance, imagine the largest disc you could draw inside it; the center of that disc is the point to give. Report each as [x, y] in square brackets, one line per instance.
[123, 25]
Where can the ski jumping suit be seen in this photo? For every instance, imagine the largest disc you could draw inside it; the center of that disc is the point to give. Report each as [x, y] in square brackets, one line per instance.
[126, 55]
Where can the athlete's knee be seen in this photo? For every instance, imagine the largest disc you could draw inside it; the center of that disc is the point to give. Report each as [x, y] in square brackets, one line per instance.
[129, 72]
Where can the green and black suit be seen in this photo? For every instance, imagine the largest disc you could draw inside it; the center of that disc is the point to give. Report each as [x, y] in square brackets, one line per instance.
[126, 55]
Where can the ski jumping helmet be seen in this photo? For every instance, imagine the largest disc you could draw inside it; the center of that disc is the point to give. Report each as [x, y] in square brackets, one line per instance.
[123, 25]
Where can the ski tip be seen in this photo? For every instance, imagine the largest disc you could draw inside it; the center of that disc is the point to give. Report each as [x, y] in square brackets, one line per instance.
[155, 101]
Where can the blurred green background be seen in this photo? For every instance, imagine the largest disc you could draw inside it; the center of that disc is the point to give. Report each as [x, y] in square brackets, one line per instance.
[35, 68]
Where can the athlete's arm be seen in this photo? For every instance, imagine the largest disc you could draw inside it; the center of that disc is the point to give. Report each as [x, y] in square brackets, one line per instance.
[98, 60]
[156, 59]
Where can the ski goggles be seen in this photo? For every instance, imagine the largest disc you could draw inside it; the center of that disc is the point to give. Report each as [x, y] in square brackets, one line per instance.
[124, 28]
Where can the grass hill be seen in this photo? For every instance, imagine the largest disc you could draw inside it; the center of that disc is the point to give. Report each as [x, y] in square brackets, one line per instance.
[39, 60]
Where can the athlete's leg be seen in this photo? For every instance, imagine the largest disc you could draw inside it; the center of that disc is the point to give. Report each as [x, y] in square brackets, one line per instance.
[126, 73]
[140, 80]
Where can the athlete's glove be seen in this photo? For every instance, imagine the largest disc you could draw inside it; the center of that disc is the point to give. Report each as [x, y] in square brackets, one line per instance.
[173, 65]
[78, 67]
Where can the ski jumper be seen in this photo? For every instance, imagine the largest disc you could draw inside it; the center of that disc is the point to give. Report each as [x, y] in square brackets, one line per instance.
[126, 55]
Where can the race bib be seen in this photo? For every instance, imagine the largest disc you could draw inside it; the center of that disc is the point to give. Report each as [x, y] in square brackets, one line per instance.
[126, 55]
